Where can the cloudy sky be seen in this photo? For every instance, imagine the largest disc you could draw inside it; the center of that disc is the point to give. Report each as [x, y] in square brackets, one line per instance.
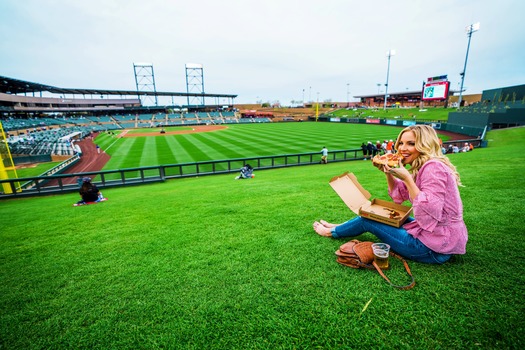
[271, 50]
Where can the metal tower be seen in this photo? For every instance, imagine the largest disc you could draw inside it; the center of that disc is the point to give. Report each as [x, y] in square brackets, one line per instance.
[195, 83]
[145, 81]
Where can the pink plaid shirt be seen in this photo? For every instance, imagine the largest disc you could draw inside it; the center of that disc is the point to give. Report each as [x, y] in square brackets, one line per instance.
[438, 210]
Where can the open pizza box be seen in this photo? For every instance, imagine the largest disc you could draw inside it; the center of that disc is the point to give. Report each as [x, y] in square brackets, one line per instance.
[358, 200]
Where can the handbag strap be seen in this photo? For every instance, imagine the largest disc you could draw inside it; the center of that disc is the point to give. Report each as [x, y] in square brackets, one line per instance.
[408, 286]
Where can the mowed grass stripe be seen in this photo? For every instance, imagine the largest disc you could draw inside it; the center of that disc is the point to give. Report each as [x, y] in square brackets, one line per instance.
[267, 142]
[220, 145]
[166, 150]
[150, 152]
[208, 148]
[193, 152]
[239, 144]
[287, 140]
[122, 154]
[104, 140]
[346, 136]
[135, 153]
[178, 150]
[298, 138]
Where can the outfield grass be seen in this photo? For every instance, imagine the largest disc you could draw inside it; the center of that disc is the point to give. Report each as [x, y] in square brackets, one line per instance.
[214, 263]
[428, 113]
[239, 141]
[35, 169]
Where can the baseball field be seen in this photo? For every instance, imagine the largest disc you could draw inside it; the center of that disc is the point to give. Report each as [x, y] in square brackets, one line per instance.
[215, 263]
[147, 147]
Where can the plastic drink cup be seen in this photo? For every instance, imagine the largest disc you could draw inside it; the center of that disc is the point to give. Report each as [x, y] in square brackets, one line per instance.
[381, 252]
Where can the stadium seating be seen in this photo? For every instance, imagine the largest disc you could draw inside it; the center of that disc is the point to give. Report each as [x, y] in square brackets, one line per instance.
[45, 135]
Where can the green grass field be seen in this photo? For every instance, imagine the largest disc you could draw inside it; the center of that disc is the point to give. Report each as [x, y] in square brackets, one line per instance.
[426, 114]
[36, 169]
[214, 263]
[239, 141]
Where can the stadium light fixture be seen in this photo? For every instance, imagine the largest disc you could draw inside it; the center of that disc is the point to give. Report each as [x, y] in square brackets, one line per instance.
[389, 54]
[469, 30]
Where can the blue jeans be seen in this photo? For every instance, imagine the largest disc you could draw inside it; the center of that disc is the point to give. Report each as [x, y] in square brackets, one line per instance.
[399, 239]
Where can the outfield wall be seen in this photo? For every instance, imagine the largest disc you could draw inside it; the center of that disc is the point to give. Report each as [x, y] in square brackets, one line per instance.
[466, 128]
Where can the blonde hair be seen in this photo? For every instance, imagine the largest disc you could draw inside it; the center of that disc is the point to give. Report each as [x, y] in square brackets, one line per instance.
[428, 145]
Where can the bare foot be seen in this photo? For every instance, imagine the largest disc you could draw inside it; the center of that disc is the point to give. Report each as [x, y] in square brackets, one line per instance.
[322, 230]
[327, 224]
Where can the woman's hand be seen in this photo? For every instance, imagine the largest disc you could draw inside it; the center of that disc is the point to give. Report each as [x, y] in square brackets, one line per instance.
[400, 172]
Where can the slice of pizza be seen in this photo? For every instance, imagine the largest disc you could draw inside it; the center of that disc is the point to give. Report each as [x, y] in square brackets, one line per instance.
[390, 159]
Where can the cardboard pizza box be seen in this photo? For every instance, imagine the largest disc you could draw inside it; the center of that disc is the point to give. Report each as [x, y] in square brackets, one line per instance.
[358, 200]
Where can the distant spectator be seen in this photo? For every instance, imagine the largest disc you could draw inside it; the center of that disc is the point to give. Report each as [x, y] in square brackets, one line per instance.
[89, 192]
[465, 148]
[246, 172]
[383, 146]
[324, 157]
[378, 146]
[455, 149]
[389, 146]
[372, 150]
[365, 150]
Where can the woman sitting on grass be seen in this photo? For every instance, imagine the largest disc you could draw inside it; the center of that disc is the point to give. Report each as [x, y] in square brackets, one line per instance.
[437, 230]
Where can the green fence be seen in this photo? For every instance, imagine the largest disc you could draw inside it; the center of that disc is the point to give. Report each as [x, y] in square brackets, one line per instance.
[61, 183]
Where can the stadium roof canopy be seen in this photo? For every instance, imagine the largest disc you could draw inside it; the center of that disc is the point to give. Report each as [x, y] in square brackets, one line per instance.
[16, 86]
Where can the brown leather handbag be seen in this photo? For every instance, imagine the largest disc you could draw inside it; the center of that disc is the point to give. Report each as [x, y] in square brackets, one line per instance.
[357, 254]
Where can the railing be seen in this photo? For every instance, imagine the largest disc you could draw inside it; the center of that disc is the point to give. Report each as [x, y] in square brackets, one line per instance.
[63, 183]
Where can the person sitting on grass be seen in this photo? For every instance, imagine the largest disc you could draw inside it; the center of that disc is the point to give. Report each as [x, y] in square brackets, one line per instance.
[437, 230]
[89, 192]
[246, 172]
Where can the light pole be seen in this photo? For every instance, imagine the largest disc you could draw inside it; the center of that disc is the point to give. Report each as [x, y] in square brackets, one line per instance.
[389, 54]
[347, 94]
[303, 98]
[469, 29]
[317, 108]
